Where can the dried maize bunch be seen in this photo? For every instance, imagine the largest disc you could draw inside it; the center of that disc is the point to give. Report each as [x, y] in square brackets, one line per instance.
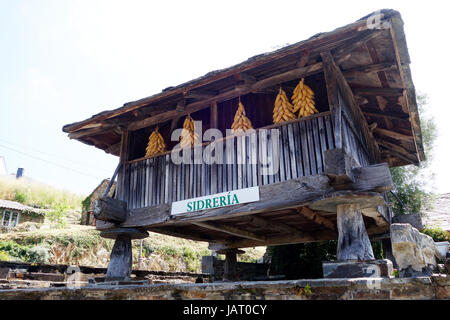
[188, 135]
[283, 110]
[155, 144]
[303, 100]
[240, 120]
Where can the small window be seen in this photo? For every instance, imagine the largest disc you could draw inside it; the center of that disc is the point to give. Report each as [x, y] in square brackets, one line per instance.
[10, 219]
[6, 216]
[14, 219]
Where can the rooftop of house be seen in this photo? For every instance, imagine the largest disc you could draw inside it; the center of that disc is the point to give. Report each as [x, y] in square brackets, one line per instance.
[12, 205]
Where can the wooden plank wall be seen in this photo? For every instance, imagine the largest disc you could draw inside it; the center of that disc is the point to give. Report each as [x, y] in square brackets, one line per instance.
[301, 144]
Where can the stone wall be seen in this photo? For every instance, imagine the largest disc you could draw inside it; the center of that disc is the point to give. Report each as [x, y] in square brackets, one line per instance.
[245, 270]
[424, 288]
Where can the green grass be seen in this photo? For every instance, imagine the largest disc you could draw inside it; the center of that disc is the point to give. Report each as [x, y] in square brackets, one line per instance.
[80, 245]
[37, 194]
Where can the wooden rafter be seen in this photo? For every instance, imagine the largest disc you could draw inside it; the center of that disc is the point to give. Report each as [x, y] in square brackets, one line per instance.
[233, 93]
[285, 239]
[271, 225]
[398, 151]
[386, 92]
[386, 115]
[230, 230]
[342, 53]
[317, 218]
[355, 110]
[393, 134]
[374, 67]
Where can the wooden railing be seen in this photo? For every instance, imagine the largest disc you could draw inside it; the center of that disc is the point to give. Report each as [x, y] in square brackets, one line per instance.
[302, 142]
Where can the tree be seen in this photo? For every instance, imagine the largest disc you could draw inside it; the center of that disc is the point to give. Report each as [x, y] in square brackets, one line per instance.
[412, 184]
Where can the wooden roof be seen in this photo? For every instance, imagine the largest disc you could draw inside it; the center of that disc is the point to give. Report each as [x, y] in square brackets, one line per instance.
[375, 63]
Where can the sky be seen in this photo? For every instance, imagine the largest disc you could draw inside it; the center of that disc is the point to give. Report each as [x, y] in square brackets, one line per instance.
[63, 61]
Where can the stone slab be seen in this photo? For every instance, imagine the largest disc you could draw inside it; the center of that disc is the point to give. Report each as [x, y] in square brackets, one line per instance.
[357, 269]
[424, 288]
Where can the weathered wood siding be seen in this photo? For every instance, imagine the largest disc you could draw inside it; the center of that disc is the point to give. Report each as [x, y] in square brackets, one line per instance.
[352, 138]
[157, 180]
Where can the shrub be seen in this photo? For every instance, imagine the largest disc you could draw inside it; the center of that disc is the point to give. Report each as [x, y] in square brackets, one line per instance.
[56, 215]
[4, 256]
[39, 254]
[437, 234]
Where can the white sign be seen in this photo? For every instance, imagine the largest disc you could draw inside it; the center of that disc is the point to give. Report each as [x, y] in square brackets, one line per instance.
[217, 200]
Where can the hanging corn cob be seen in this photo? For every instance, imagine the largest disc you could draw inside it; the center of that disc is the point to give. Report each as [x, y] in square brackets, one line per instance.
[283, 110]
[188, 136]
[303, 100]
[240, 119]
[155, 144]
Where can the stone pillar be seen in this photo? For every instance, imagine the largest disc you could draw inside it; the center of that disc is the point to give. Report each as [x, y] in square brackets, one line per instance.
[120, 263]
[353, 241]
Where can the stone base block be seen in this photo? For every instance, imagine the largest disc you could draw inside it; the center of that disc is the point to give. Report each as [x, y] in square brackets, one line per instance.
[357, 269]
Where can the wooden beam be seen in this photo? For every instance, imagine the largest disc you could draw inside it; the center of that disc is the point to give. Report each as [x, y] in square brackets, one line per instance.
[271, 225]
[113, 149]
[374, 67]
[238, 90]
[342, 53]
[247, 78]
[338, 165]
[304, 237]
[333, 99]
[393, 134]
[386, 115]
[123, 159]
[214, 121]
[199, 94]
[197, 236]
[181, 105]
[292, 193]
[353, 241]
[376, 178]
[304, 59]
[230, 230]
[287, 76]
[317, 218]
[173, 124]
[90, 132]
[399, 151]
[355, 110]
[386, 92]
[110, 210]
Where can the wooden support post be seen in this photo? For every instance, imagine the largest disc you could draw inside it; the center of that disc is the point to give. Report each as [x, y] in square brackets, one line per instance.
[353, 241]
[317, 218]
[333, 99]
[338, 166]
[120, 263]
[214, 115]
[387, 251]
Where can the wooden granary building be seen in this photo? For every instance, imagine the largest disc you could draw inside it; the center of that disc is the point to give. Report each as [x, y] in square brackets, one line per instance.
[331, 168]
